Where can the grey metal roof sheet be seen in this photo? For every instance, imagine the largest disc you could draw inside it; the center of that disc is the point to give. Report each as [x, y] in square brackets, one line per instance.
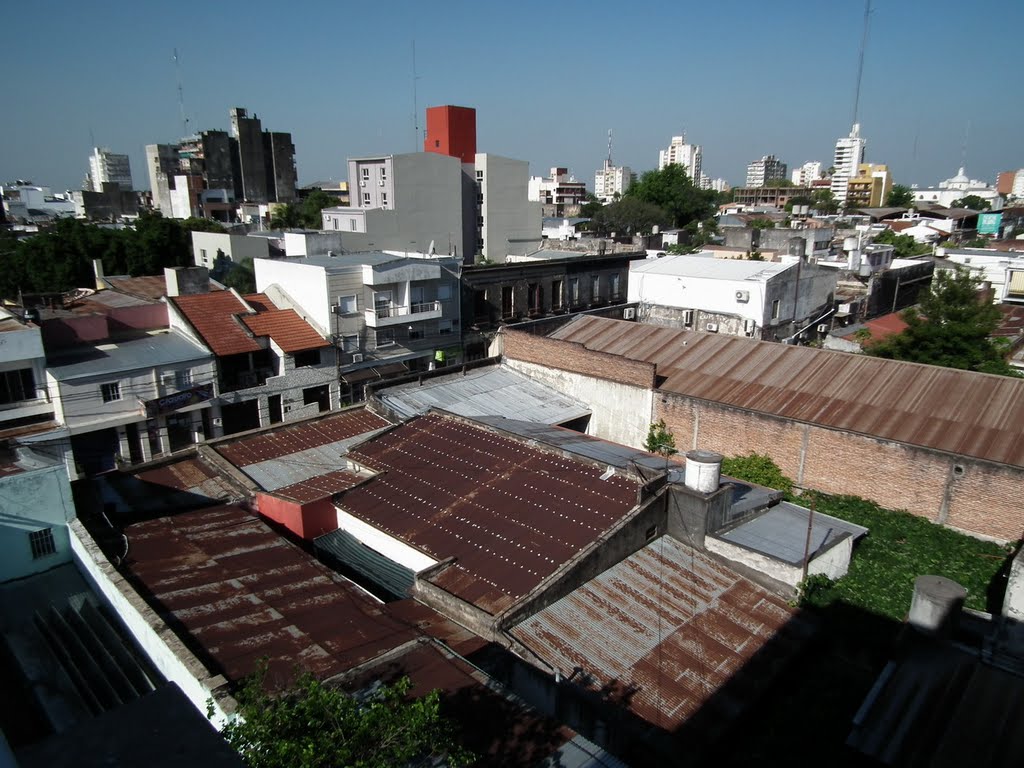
[666, 629]
[162, 349]
[492, 391]
[960, 412]
[781, 532]
[343, 548]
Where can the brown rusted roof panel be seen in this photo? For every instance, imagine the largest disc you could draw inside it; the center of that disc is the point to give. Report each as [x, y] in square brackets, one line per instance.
[973, 414]
[509, 513]
[241, 593]
[668, 627]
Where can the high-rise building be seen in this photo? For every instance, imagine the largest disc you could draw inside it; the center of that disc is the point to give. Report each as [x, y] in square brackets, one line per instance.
[265, 160]
[451, 131]
[612, 180]
[558, 194]
[163, 163]
[681, 153]
[763, 172]
[806, 173]
[848, 158]
[870, 187]
[106, 167]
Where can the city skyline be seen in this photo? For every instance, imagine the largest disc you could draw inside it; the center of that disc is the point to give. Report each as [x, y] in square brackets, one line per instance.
[547, 83]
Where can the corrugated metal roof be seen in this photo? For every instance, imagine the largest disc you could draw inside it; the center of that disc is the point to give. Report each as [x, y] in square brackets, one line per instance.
[668, 630]
[158, 350]
[145, 287]
[240, 593]
[213, 317]
[961, 412]
[509, 513]
[346, 549]
[491, 391]
[781, 532]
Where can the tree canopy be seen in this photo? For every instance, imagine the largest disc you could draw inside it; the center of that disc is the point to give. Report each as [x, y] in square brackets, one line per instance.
[629, 216]
[60, 258]
[904, 246]
[900, 196]
[672, 190]
[973, 202]
[305, 214]
[952, 327]
[824, 201]
[314, 725]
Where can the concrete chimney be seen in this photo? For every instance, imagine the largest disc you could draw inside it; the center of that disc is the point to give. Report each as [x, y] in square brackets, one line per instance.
[703, 471]
[97, 268]
[185, 281]
[935, 607]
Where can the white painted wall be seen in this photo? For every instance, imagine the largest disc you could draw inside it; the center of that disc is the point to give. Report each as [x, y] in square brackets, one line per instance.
[305, 283]
[621, 412]
[236, 247]
[703, 293]
[31, 501]
[393, 549]
[834, 562]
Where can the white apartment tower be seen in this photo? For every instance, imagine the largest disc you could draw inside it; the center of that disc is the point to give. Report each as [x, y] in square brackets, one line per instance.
[806, 173]
[106, 167]
[611, 180]
[681, 153]
[848, 158]
[764, 171]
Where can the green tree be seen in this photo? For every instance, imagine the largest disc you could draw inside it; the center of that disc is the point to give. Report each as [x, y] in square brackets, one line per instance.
[309, 210]
[798, 200]
[900, 196]
[314, 725]
[241, 277]
[762, 224]
[973, 202]
[672, 190]
[952, 328]
[757, 468]
[904, 246]
[194, 224]
[823, 201]
[660, 440]
[286, 216]
[629, 216]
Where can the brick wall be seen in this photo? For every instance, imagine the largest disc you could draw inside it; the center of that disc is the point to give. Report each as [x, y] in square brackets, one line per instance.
[570, 356]
[973, 496]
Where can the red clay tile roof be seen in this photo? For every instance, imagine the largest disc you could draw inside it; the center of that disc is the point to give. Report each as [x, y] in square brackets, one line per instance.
[289, 331]
[260, 302]
[147, 287]
[211, 314]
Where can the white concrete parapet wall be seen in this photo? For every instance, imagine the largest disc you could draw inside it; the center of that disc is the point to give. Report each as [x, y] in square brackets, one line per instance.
[164, 649]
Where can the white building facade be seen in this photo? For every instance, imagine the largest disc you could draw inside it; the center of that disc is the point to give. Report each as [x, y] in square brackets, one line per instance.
[764, 171]
[612, 181]
[956, 188]
[806, 173]
[848, 157]
[107, 167]
[681, 153]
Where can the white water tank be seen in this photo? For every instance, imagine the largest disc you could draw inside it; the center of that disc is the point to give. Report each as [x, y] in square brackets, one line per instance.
[703, 471]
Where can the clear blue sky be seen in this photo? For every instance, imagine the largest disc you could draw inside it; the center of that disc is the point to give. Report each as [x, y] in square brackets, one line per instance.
[548, 79]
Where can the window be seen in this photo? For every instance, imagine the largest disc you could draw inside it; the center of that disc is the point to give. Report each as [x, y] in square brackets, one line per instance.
[349, 344]
[595, 288]
[775, 309]
[382, 303]
[42, 543]
[16, 386]
[384, 338]
[366, 173]
[556, 294]
[415, 333]
[352, 224]
[202, 255]
[614, 280]
[383, 198]
[307, 358]
[347, 305]
[444, 327]
[111, 392]
[183, 379]
[507, 301]
[335, 223]
[383, 173]
[366, 198]
[479, 175]
[574, 290]
[535, 293]
[444, 291]
[437, 143]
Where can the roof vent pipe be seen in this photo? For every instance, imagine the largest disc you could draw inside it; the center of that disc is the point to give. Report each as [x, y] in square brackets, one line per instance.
[703, 471]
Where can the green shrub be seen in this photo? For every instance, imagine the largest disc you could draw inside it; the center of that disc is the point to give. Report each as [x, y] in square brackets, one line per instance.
[757, 468]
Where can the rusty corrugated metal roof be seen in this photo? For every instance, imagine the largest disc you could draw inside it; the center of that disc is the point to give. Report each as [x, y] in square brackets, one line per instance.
[238, 592]
[665, 632]
[509, 513]
[961, 412]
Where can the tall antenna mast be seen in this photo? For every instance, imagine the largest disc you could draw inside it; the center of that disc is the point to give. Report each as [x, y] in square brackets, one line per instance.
[181, 95]
[415, 104]
[609, 147]
[860, 62]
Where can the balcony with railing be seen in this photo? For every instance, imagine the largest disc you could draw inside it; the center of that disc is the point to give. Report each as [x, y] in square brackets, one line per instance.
[384, 315]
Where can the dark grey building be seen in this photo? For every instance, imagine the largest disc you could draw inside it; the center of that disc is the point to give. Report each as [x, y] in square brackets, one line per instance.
[265, 160]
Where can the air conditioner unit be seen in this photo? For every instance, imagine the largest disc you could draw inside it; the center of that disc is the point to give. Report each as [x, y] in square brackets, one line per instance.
[167, 379]
[357, 357]
[362, 183]
[218, 421]
[823, 328]
[711, 327]
[629, 313]
[381, 182]
[749, 327]
[687, 317]
[743, 296]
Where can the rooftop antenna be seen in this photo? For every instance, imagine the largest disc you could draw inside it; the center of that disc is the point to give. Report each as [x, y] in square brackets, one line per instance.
[181, 95]
[415, 104]
[860, 62]
[609, 147]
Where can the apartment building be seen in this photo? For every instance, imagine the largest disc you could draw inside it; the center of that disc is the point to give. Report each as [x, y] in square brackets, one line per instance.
[763, 172]
[558, 194]
[681, 153]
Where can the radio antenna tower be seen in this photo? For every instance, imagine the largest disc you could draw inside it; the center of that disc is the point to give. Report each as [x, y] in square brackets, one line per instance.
[609, 147]
[181, 95]
[860, 62]
[416, 144]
